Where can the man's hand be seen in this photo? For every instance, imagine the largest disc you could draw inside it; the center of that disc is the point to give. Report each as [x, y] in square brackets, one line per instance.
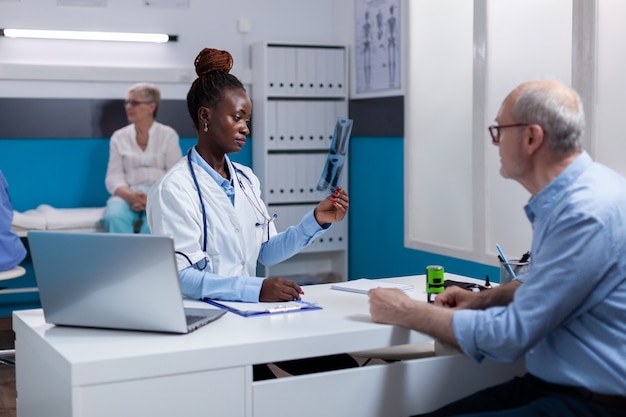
[389, 305]
[458, 298]
[394, 306]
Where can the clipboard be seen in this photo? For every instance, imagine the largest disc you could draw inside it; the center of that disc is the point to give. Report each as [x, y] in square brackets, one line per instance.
[258, 309]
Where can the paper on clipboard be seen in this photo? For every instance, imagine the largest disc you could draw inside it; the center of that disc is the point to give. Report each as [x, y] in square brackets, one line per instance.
[337, 154]
[255, 309]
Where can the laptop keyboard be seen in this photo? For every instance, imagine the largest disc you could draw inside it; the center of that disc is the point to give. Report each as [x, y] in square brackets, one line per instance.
[191, 319]
[197, 319]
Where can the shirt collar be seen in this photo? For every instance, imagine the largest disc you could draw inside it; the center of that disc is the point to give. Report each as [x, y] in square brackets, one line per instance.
[552, 192]
[221, 181]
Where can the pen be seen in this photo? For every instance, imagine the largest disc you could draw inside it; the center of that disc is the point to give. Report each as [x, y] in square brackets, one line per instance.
[282, 309]
[306, 303]
[506, 262]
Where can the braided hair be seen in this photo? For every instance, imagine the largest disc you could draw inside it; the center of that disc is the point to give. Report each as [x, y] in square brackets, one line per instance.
[213, 69]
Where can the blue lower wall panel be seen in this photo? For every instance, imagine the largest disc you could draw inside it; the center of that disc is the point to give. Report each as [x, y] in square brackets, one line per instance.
[376, 188]
[63, 173]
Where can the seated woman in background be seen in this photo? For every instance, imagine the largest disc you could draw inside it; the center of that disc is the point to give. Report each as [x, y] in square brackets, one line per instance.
[139, 154]
[12, 251]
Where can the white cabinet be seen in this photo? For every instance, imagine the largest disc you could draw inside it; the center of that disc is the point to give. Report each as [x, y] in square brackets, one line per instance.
[298, 91]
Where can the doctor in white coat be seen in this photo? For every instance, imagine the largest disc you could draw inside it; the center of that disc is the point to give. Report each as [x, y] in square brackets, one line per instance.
[213, 208]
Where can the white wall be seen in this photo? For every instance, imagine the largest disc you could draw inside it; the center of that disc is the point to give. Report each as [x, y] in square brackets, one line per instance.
[438, 124]
[52, 68]
[516, 54]
[610, 85]
[578, 42]
[465, 57]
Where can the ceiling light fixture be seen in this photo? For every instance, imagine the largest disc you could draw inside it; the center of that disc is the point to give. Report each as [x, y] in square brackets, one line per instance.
[88, 36]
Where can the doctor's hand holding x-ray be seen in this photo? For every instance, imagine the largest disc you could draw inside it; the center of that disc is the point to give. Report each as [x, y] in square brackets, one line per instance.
[212, 207]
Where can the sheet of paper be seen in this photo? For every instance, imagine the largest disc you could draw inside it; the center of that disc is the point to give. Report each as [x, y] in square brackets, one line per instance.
[363, 285]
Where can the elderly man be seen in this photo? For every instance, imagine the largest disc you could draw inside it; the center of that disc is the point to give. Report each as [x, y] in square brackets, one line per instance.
[568, 314]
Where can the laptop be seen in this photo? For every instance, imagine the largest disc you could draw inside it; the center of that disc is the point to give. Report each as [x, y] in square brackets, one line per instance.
[112, 281]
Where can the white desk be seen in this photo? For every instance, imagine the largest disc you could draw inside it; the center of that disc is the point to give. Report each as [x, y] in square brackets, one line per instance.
[64, 371]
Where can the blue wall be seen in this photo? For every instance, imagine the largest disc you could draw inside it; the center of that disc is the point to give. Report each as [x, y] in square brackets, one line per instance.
[376, 188]
[63, 173]
[69, 173]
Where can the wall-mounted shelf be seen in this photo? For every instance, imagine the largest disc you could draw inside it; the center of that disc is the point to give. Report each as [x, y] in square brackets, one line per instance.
[298, 91]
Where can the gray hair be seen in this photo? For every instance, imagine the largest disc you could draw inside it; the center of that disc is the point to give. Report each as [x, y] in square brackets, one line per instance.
[148, 93]
[558, 109]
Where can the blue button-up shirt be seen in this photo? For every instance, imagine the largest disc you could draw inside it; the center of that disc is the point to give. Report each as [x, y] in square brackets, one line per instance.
[569, 315]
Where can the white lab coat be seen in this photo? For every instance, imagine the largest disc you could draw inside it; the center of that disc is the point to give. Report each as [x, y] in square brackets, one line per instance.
[233, 239]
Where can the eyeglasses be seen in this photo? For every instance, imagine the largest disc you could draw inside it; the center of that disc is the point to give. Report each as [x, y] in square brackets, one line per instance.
[135, 103]
[494, 131]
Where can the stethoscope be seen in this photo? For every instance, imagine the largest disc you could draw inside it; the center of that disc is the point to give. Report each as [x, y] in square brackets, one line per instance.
[256, 203]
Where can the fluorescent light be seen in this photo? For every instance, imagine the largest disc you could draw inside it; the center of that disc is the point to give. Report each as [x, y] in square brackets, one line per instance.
[89, 36]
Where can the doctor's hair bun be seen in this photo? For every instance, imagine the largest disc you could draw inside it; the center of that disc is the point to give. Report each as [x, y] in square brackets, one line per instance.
[209, 60]
[214, 78]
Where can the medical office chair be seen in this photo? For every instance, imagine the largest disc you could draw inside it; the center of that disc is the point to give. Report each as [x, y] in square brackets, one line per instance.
[16, 272]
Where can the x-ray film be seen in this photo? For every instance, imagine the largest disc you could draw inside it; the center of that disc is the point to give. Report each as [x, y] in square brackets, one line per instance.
[331, 175]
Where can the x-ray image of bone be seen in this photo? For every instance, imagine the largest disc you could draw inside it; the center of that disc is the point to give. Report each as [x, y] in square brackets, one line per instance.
[331, 175]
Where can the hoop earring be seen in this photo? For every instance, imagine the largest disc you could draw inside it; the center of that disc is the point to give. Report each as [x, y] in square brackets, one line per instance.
[206, 127]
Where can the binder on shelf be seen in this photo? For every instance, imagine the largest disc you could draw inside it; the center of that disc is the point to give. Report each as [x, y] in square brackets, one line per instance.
[301, 115]
[336, 69]
[281, 124]
[274, 72]
[318, 123]
[290, 69]
[321, 72]
[258, 309]
[299, 178]
[272, 124]
[291, 123]
[291, 183]
[305, 67]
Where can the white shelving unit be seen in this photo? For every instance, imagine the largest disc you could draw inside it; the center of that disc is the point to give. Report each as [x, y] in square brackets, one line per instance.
[298, 91]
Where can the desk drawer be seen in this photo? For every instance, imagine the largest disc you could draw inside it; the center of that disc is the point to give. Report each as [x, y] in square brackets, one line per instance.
[218, 393]
[397, 389]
